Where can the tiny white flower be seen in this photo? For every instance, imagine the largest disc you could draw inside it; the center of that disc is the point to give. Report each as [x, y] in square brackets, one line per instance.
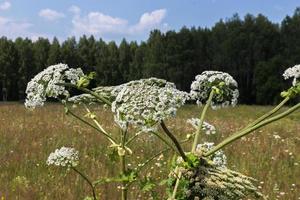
[208, 128]
[219, 158]
[64, 157]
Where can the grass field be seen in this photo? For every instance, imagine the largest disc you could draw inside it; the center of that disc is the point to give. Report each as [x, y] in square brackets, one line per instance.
[272, 154]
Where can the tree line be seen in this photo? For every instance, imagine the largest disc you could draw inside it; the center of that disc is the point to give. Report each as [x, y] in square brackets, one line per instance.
[254, 50]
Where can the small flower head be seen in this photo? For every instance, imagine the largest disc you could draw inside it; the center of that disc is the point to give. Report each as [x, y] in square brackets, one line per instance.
[64, 157]
[219, 158]
[292, 72]
[44, 84]
[226, 88]
[294, 91]
[208, 128]
[145, 102]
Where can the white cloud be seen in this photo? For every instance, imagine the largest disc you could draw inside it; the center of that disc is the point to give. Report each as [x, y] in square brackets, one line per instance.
[50, 15]
[100, 24]
[149, 21]
[13, 29]
[97, 23]
[5, 5]
[75, 10]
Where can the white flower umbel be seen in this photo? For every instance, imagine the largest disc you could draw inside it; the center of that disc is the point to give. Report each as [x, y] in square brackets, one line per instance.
[44, 84]
[64, 157]
[219, 158]
[208, 128]
[227, 88]
[292, 72]
[104, 91]
[146, 102]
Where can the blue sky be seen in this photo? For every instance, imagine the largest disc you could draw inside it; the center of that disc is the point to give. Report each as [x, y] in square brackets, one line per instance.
[130, 19]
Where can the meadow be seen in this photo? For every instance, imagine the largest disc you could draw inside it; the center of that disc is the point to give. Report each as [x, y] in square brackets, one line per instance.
[271, 154]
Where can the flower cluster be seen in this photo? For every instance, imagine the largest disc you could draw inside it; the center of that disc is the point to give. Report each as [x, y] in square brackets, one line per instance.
[145, 102]
[104, 91]
[64, 157]
[292, 72]
[44, 84]
[226, 88]
[208, 128]
[219, 158]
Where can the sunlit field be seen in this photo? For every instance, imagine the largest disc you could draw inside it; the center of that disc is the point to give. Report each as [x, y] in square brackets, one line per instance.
[271, 154]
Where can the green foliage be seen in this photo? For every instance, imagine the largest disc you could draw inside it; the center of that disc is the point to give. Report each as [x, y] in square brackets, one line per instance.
[292, 92]
[84, 81]
[252, 49]
[147, 184]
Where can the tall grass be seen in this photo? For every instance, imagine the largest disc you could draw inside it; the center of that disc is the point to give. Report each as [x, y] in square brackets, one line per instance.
[271, 154]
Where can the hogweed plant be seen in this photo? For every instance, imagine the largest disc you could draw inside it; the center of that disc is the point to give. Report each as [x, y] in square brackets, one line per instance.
[140, 108]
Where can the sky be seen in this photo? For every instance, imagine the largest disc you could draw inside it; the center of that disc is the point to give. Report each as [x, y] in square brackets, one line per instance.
[130, 19]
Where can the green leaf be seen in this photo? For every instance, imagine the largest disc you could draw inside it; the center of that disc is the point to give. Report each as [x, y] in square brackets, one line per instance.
[147, 184]
[112, 154]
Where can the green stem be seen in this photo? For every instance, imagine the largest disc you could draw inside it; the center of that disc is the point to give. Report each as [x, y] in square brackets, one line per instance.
[270, 113]
[176, 186]
[165, 141]
[251, 129]
[202, 120]
[112, 140]
[133, 138]
[97, 96]
[174, 140]
[144, 164]
[123, 166]
[95, 121]
[87, 180]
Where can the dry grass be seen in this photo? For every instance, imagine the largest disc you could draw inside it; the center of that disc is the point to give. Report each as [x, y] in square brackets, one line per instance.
[27, 138]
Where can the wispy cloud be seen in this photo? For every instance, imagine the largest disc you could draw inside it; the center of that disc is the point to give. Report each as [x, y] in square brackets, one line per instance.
[100, 24]
[149, 21]
[13, 29]
[50, 15]
[5, 5]
[97, 23]
[75, 10]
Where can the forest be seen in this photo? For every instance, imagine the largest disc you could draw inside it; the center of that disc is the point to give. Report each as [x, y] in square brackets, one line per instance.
[254, 50]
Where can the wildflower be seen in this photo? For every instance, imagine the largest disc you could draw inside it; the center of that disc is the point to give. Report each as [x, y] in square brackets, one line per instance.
[44, 84]
[276, 136]
[226, 89]
[208, 128]
[146, 102]
[219, 158]
[292, 72]
[64, 157]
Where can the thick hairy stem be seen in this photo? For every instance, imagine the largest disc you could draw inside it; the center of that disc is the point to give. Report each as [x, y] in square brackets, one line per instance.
[112, 140]
[87, 180]
[251, 129]
[123, 166]
[268, 114]
[124, 186]
[174, 140]
[202, 120]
